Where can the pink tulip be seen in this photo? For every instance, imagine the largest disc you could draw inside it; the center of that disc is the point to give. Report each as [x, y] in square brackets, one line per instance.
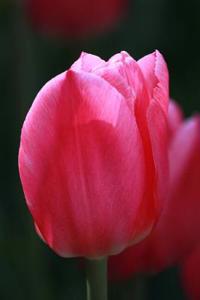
[93, 154]
[177, 230]
[75, 18]
[190, 275]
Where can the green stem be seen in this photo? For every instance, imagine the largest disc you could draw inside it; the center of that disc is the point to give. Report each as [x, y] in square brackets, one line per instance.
[96, 272]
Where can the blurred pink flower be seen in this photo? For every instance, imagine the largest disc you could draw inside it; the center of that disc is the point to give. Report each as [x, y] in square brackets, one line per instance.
[177, 230]
[190, 274]
[74, 18]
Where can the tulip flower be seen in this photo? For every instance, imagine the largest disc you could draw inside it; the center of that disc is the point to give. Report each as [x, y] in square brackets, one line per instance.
[74, 18]
[178, 227]
[93, 154]
[190, 274]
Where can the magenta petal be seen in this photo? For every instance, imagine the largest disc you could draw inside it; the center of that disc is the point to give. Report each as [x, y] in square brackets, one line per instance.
[82, 206]
[87, 62]
[158, 127]
[131, 73]
[155, 73]
[123, 73]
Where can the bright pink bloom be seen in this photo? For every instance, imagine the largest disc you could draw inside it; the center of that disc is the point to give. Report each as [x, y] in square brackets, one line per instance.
[177, 230]
[190, 275]
[75, 18]
[92, 158]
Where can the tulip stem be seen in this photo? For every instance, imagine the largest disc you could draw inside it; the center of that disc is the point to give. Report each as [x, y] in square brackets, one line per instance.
[96, 273]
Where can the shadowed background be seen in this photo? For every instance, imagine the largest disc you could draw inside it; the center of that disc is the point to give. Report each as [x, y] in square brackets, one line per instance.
[29, 58]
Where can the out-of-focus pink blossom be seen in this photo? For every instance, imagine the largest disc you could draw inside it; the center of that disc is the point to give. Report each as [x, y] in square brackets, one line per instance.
[74, 18]
[177, 230]
[190, 274]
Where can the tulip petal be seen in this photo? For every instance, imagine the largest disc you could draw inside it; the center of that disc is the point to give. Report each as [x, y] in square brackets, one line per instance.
[158, 127]
[155, 73]
[87, 62]
[130, 75]
[81, 162]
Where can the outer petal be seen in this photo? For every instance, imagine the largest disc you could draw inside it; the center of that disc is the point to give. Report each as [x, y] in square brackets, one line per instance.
[156, 75]
[190, 275]
[158, 128]
[87, 62]
[81, 163]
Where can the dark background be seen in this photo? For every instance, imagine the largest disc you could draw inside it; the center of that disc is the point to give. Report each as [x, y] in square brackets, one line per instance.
[28, 268]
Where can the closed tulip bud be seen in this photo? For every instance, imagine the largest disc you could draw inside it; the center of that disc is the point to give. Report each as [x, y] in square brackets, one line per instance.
[77, 18]
[93, 154]
[177, 230]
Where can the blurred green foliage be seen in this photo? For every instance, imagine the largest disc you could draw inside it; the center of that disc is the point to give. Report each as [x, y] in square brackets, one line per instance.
[29, 269]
